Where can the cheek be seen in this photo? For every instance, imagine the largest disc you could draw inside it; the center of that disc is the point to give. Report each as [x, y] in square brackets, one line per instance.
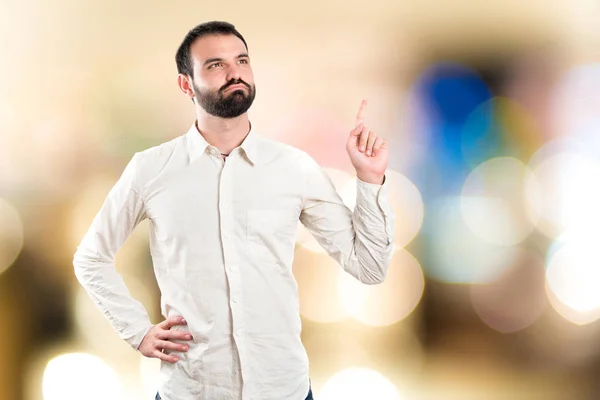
[248, 77]
[212, 83]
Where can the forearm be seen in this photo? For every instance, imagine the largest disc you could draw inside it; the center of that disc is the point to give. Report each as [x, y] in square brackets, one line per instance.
[107, 289]
[368, 255]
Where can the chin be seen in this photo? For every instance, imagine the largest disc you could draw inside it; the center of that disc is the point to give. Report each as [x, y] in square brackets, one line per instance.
[238, 94]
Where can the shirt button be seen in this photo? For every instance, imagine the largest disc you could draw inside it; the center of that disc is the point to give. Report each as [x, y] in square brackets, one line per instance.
[224, 205]
[213, 152]
[235, 299]
[232, 268]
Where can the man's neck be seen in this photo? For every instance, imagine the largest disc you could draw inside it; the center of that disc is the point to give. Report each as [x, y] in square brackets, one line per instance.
[224, 134]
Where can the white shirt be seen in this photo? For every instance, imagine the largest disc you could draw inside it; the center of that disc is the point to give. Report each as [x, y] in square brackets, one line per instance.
[222, 237]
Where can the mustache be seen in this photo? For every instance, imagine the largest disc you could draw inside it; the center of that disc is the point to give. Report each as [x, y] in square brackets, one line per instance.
[234, 82]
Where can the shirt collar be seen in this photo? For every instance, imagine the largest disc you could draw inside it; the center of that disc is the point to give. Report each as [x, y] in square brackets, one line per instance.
[198, 146]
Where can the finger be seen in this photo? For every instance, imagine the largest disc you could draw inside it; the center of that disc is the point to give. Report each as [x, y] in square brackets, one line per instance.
[377, 145]
[165, 357]
[176, 335]
[167, 345]
[353, 138]
[370, 142]
[362, 141]
[360, 116]
[172, 321]
[356, 131]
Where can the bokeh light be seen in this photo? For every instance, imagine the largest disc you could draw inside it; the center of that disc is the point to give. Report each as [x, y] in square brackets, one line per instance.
[493, 201]
[447, 93]
[86, 205]
[11, 235]
[451, 91]
[358, 384]
[576, 100]
[455, 253]
[499, 126]
[573, 279]
[516, 299]
[388, 302]
[566, 196]
[317, 275]
[78, 376]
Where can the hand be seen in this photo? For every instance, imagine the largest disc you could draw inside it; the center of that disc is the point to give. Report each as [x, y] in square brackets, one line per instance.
[368, 152]
[159, 338]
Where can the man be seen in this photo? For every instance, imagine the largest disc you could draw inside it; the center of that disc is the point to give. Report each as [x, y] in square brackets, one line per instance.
[223, 205]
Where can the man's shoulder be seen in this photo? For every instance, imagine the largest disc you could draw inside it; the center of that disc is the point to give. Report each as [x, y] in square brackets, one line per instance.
[161, 152]
[151, 161]
[277, 149]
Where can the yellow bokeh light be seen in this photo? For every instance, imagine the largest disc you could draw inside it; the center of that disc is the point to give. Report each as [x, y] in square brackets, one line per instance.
[389, 302]
[11, 235]
[317, 275]
[358, 384]
[86, 207]
[493, 205]
[77, 376]
[573, 279]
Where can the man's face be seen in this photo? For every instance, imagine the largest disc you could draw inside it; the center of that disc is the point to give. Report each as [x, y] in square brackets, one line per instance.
[223, 82]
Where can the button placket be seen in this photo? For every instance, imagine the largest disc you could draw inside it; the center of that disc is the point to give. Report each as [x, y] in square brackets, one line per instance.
[227, 222]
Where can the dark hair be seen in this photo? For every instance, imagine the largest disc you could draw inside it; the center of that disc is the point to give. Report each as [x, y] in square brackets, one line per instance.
[183, 58]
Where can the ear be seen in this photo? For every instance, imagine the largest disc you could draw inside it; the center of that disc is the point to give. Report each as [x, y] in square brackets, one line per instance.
[185, 84]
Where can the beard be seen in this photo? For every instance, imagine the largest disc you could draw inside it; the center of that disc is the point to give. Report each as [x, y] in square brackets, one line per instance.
[225, 105]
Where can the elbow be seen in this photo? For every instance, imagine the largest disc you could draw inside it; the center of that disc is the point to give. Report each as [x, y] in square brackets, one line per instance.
[81, 266]
[373, 276]
[86, 265]
[374, 279]
[374, 267]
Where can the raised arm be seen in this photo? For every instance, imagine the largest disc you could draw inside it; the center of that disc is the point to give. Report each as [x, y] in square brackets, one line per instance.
[361, 241]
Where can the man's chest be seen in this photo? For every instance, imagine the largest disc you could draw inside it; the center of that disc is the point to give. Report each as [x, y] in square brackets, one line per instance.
[200, 202]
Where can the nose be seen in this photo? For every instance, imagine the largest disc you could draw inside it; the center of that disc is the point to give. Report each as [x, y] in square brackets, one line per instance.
[233, 72]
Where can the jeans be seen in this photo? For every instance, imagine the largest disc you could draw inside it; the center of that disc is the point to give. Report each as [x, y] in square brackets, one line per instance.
[309, 397]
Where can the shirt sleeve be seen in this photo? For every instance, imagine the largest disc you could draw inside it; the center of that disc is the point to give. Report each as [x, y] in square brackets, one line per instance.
[361, 241]
[94, 261]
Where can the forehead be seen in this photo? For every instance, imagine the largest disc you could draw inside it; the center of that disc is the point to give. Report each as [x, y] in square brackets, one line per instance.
[216, 46]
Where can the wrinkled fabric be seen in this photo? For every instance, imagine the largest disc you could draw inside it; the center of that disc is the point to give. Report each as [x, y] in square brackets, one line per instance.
[222, 238]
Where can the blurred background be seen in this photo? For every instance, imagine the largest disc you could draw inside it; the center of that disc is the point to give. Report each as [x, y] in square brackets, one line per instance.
[492, 110]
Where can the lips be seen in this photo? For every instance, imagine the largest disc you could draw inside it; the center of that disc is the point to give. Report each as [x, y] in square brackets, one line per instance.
[235, 87]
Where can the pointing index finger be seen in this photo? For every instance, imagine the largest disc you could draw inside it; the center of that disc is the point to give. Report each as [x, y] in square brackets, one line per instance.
[360, 116]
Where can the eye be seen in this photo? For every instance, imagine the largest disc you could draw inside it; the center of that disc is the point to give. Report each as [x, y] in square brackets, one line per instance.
[243, 61]
[211, 66]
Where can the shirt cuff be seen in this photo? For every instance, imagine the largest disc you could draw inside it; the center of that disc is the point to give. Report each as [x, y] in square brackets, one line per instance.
[135, 339]
[374, 197]
[373, 189]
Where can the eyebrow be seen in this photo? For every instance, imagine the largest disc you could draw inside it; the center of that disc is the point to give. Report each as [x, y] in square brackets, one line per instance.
[215, 59]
